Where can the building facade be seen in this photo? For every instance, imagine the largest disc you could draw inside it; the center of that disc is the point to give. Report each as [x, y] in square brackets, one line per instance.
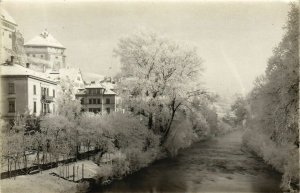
[24, 90]
[96, 98]
[11, 40]
[46, 52]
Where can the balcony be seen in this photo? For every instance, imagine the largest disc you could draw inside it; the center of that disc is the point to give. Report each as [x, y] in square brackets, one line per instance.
[47, 99]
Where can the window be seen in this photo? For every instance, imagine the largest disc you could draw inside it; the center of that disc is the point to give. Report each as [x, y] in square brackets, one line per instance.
[53, 93]
[11, 88]
[43, 91]
[47, 91]
[94, 101]
[98, 101]
[107, 100]
[34, 107]
[90, 101]
[108, 110]
[82, 101]
[11, 106]
[34, 89]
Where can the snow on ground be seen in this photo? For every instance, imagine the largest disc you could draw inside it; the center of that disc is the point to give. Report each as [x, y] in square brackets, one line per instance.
[44, 182]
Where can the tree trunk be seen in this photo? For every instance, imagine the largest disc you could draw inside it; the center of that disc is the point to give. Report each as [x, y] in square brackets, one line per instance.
[164, 138]
[25, 161]
[38, 158]
[150, 121]
[88, 153]
[8, 165]
[15, 168]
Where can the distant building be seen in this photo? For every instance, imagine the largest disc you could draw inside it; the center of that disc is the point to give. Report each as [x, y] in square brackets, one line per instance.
[44, 51]
[73, 74]
[96, 98]
[24, 90]
[11, 40]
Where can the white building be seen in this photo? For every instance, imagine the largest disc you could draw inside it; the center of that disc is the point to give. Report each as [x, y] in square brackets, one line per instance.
[73, 74]
[45, 51]
[24, 90]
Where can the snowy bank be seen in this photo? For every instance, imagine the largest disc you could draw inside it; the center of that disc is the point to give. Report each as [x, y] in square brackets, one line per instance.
[46, 182]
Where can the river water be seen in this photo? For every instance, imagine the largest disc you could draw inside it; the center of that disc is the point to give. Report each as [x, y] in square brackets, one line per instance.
[217, 165]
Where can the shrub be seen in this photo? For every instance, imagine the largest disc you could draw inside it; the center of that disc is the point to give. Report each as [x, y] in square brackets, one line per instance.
[284, 159]
[120, 167]
[182, 136]
[138, 159]
[104, 173]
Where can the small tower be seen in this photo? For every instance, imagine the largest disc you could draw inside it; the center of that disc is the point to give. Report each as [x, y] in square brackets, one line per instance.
[45, 49]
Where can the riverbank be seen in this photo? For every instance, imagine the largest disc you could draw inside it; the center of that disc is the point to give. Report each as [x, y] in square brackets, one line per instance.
[46, 181]
[285, 159]
[49, 183]
[216, 165]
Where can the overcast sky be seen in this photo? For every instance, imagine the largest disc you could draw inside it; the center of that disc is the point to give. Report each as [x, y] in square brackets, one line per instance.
[234, 39]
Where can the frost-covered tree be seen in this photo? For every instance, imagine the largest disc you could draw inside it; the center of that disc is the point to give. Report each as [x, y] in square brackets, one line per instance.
[159, 76]
[274, 102]
[65, 102]
[239, 109]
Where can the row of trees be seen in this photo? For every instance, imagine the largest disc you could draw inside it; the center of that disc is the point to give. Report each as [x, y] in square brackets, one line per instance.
[271, 110]
[64, 135]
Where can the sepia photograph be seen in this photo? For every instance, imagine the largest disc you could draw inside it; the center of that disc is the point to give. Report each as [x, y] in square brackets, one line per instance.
[150, 96]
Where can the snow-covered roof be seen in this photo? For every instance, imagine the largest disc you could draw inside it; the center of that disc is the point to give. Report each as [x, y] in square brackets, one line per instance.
[44, 39]
[17, 70]
[109, 85]
[109, 92]
[5, 16]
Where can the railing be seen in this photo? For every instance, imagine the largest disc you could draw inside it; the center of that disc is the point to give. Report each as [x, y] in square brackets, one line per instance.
[47, 99]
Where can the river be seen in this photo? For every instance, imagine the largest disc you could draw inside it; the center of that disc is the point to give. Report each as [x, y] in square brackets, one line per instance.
[221, 164]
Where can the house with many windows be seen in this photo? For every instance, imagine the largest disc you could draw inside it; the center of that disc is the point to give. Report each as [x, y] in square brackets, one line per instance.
[44, 51]
[24, 90]
[97, 98]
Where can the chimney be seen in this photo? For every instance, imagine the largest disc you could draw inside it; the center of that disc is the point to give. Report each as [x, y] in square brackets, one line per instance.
[27, 65]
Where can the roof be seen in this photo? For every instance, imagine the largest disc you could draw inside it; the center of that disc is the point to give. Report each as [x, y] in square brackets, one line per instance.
[44, 39]
[5, 16]
[18, 70]
[109, 92]
[109, 85]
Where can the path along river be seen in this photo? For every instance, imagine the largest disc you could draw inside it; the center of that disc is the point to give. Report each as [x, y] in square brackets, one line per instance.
[216, 165]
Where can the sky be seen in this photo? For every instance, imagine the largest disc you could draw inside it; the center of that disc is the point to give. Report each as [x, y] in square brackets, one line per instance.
[234, 38]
